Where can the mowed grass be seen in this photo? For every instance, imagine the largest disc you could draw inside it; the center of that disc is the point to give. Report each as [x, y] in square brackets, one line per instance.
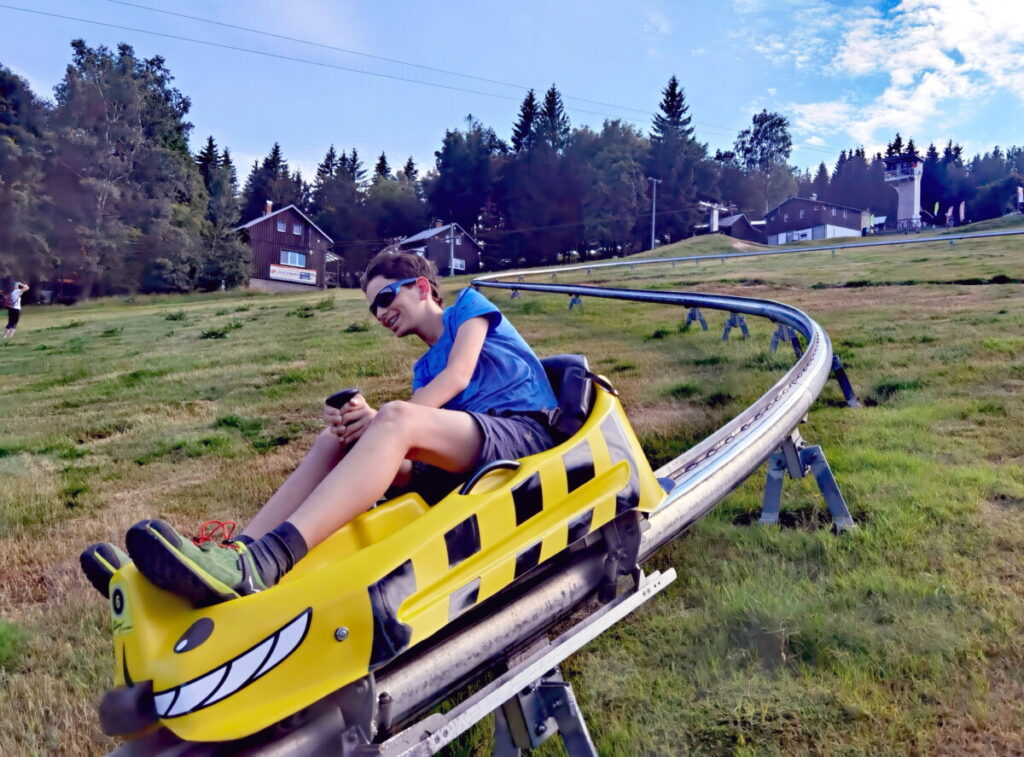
[901, 637]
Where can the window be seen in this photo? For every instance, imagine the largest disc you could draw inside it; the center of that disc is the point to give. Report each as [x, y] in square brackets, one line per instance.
[833, 211]
[282, 226]
[785, 217]
[801, 213]
[844, 212]
[297, 229]
[293, 258]
[458, 240]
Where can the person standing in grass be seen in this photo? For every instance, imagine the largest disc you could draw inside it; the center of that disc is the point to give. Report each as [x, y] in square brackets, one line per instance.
[14, 308]
[479, 394]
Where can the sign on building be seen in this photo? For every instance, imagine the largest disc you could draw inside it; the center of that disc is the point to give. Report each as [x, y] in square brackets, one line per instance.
[296, 275]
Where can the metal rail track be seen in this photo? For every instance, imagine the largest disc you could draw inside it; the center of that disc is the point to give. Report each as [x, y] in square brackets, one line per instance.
[703, 476]
[951, 238]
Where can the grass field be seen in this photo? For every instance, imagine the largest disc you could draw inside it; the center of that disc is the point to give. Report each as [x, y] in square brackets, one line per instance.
[903, 637]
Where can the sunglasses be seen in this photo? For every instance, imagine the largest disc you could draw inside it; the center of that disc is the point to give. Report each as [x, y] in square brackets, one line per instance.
[387, 295]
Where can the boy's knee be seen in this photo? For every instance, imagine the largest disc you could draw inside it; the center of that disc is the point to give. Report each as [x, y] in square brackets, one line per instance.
[397, 413]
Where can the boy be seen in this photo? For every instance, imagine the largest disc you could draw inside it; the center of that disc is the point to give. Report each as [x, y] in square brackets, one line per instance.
[14, 308]
[479, 394]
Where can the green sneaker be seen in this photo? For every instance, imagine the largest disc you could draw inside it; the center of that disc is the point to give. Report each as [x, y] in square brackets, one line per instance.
[202, 570]
[100, 562]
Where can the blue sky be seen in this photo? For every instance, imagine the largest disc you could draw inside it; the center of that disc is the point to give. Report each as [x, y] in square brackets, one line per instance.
[845, 73]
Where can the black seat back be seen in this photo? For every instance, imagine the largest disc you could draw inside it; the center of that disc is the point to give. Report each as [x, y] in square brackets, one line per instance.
[570, 379]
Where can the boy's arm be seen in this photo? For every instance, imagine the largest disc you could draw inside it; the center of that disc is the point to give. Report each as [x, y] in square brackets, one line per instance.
[469, 340]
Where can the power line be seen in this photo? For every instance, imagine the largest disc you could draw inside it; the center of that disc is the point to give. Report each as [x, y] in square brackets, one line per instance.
[497, 232]
[364, 55]
[340, 67]
[417, 65]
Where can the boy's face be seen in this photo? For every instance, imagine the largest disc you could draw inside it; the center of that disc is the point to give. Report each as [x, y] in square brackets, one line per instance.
[407, 307]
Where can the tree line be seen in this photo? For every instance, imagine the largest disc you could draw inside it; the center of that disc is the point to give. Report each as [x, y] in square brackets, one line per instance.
[100, 187]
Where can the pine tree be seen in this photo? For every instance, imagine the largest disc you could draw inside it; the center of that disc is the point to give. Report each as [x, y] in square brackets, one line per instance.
[895, 147]
[523, 132]
[677, 160]
[207, 159]
[911, 148]
[819, 185]
[355, 168]
[409, 171]
[226, 162]
[552, 124]
[327, 167]
[673, 121]
[382, 170]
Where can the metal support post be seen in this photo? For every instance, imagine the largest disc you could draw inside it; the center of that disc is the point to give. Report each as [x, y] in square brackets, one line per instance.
[515, 294]
[695, 316]
[537, 713]
[797, 459]
[575, 300]
[785, 333]
[844, 382]
[735, 321]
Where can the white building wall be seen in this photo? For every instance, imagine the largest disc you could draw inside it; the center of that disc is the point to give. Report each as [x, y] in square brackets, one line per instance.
[831, 232]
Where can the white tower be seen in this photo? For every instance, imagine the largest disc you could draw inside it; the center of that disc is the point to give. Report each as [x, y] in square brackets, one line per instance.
[904, 172]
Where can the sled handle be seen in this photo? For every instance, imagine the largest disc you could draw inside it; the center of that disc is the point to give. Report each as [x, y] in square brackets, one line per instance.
[483, 471]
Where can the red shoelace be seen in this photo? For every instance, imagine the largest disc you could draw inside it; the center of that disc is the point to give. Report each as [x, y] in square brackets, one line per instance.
[209, 530]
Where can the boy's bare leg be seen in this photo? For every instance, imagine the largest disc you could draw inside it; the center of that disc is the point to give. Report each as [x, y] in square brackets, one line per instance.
[448, 439]
[321, 459]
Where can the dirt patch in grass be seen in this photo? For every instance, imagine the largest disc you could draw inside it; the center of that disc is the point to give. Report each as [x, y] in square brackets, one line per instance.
[802, 518]
[997, 730]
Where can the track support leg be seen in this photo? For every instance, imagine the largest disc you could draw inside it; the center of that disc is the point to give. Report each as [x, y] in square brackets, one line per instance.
[797, 459]
[536, 714]
[574, 301]
[844, 382]
[735, 321]
[786, 333]
[694, 316]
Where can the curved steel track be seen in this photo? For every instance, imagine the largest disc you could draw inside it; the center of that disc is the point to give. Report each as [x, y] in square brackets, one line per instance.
[702, 477]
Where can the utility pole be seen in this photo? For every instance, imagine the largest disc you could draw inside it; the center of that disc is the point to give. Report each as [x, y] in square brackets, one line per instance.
[451, 249]
[654, 203]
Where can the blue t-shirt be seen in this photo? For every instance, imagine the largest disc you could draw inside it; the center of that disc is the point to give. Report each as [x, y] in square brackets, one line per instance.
[508, 376]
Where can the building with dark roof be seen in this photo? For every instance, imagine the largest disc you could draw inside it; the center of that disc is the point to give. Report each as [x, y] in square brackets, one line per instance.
[450, 246]
[289, 251]
[800, 218]
[737, 226]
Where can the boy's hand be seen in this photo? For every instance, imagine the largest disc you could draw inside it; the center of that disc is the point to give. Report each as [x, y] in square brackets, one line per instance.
[350, 421]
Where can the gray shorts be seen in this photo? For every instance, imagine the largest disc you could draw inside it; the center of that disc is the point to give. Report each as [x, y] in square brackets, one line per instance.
[508, 435]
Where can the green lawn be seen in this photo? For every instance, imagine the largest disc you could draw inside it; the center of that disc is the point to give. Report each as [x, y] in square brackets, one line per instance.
[901, 637]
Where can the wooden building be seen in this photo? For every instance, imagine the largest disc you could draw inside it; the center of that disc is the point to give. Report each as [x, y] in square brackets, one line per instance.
[800, 218]
[449, 246]
[740, 227]
[289, 251]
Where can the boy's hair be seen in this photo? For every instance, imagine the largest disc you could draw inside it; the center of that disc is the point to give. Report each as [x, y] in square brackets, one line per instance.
[402, 265]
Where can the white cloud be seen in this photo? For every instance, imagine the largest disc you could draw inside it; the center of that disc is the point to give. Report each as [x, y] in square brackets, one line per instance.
[656, 24]
[815, 142]
[772, 91]
[939, 57]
